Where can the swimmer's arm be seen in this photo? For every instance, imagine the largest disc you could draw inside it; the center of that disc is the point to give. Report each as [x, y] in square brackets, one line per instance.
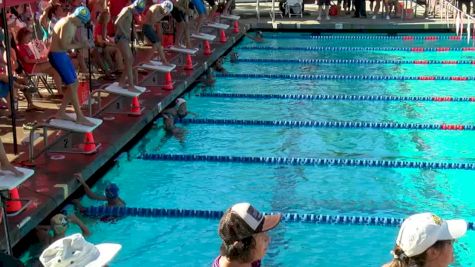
[85, 231]
[66, 39]
[88, 190]
[193, 114]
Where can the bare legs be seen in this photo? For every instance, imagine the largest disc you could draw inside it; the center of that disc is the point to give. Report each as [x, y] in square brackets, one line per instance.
[71, 96]
[5, 163]
[127, 74]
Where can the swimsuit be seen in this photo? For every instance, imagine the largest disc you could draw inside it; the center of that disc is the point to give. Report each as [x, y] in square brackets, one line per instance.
[64, 66]
[200, 6]
[119, 37]
[150, 33]
[4, 89]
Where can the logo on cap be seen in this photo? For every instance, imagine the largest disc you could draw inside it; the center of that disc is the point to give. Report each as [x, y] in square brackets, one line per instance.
[437, 220]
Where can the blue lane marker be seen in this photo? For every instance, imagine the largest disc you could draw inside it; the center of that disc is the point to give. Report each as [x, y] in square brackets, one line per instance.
[101, 211]
[341, 77]
[312, 161]
[350, 48]
[341, 97]
[354, 61]
[331, 124]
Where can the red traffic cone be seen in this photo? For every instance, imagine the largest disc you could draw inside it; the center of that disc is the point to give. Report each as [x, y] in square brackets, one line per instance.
[13, 205]
[222, 36]
[135, 107]
[207, 49]
[89, 145]
[236, 26]
[189, 62]
[168, 82]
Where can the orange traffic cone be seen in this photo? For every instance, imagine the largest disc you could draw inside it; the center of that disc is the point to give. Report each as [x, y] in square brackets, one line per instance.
[168, 82]
[13, 205]
[236, 27]
[222, 36]
[89, 145]
[207, 49]
[189, 62]
[135, 107]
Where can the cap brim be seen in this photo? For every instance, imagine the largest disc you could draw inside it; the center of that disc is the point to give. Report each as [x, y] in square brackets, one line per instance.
[271, 221]
[453, 229]
[107, 252]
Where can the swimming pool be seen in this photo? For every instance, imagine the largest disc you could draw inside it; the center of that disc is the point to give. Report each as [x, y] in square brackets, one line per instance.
[333, 190]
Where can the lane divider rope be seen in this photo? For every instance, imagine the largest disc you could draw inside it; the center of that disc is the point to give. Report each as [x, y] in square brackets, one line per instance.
[350, 48]
[343, 77]
[370, 37]
[356, 61]
[342, 97]
[333, 124]
[311, 161]
[100, 211]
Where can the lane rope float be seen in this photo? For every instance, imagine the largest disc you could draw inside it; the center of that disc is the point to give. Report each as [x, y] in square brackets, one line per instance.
[350, 48]
[100, 211]
[356, 61]
[310, 161]
[343, 77]
[341, 97]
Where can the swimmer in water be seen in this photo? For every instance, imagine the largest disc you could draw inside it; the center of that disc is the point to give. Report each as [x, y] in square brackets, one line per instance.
[233, 57]
[111, 194]
[218, 66]
[59, 224]
[179, 110]
[258, 38]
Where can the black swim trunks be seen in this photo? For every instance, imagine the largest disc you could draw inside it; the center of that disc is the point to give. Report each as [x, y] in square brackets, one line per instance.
[150, 33]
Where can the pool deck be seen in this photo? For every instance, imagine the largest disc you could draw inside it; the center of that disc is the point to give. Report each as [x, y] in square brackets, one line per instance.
[53, 181]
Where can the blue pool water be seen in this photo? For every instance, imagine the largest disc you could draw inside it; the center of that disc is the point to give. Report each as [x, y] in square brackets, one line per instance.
[303, 189]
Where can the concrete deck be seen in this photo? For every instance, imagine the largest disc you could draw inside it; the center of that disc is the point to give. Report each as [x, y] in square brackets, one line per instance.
[45, 188]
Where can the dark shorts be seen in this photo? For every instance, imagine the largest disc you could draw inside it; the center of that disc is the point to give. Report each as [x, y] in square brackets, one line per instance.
[178, 15]
[150, 33]
[64, 66]
[4, 89]
[211, 3]
[323, 2]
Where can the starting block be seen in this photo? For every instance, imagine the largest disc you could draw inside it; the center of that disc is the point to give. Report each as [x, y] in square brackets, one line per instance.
[80, 140]
[219, 26]
[230, 17]
[204, 36]
[9, 187]
[188, 51]
[158, 66]
[114, 88]
[71, 125]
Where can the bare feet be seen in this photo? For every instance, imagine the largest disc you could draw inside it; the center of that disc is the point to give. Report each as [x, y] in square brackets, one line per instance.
[63, 116]
[84, 121]
[9, 167]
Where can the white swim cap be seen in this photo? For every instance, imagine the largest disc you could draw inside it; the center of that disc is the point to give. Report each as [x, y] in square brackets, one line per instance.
[167, 6]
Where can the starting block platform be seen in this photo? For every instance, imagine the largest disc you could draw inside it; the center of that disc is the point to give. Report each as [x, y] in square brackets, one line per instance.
[158, 66]
[220, 26]
[9, 181]
[188, 51]
[114, 88]
[204, 36]
[230, 17]
[71, 125]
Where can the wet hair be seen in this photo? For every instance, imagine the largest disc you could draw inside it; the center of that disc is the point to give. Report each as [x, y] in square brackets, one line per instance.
[401, 260]
[22, 33]
[241, 251]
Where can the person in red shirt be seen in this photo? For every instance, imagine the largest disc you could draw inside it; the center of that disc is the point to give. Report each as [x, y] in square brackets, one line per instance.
[30, 63]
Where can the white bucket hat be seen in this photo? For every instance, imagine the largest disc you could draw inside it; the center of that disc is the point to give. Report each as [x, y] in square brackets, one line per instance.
[420, 231]
[75, 251]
